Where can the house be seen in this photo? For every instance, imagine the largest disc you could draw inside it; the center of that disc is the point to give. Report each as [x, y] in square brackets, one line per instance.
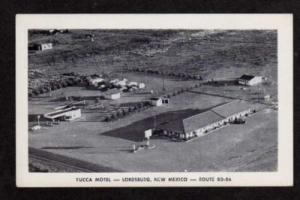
[203, 123]
[40, 47]
[112, 94]
[156, 101]
[250, 80]
[67, 114]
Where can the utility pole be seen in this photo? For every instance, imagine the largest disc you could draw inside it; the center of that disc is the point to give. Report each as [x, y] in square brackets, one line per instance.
[50, 92]
[38, 120]
[164, 89]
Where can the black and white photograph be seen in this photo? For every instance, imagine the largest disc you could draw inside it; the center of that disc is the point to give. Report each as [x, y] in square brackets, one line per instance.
[168, 100]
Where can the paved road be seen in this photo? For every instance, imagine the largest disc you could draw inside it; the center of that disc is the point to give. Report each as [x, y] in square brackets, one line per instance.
[66, 163]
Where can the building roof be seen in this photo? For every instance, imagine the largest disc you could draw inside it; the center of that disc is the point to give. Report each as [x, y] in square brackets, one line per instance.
[247, 77]
[188, 123]
[231, 108]
[172, 121]
[191, 123]
[203, 119]
[112, 91]
[60, 113]
[155, 98]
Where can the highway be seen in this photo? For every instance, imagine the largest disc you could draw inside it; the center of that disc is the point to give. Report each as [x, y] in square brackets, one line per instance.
[65, 163]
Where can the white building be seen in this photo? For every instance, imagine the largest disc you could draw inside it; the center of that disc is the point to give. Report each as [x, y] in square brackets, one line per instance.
[203, 123]
[156, 101]
[67, 114]
[41, 46]
[233, 110]
[112, 94]
[250, 80]
[46, 46]
[142, 85]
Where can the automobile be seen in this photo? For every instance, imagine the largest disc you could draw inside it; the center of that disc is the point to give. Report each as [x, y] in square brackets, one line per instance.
[239, 121]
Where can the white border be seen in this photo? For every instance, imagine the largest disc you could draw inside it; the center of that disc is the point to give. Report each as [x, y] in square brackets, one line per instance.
[283, 23]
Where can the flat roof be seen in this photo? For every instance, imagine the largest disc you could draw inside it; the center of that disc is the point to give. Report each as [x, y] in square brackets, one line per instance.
[61, 112]
[155, 98]
[231, 108]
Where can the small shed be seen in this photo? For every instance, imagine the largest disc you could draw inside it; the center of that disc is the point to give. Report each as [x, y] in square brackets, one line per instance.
[156, 101]
[250, 80]
[67, 114]
[40, 47]
[142, 85]
[112, 94]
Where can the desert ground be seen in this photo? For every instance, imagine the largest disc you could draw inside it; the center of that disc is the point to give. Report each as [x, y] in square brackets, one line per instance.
[213, 54]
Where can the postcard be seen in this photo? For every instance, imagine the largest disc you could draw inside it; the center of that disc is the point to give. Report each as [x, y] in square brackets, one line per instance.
[151, 100]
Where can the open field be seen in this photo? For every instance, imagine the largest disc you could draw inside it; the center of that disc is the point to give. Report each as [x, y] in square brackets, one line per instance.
[212, 54]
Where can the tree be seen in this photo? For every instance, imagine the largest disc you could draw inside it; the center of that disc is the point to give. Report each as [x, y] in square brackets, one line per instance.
[113, 117]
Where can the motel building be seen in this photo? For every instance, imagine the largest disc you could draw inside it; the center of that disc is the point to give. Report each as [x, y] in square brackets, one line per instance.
[68, 114]
[204, 123]
[250, 80]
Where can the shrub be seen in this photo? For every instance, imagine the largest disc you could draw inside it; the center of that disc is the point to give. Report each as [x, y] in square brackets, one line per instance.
[41, 91]
[130, 109]
[106, 119]
[35, 92]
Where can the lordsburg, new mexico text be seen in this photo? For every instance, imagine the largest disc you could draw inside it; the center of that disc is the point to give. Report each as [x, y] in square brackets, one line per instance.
[154, 179]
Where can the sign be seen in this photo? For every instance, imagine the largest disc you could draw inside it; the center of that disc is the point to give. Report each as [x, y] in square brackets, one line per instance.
[148, 133]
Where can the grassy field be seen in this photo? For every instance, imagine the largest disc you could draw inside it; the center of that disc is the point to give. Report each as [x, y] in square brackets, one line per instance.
[212, 54]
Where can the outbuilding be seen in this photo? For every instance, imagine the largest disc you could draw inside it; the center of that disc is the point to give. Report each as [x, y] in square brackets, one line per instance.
[67, 114]
[142, 85]
[40, 47]
[156, 101]
[250, 80]
[112, 94]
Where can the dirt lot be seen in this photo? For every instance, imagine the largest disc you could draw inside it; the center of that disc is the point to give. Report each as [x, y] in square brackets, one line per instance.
[249, 147]
[101, 143]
